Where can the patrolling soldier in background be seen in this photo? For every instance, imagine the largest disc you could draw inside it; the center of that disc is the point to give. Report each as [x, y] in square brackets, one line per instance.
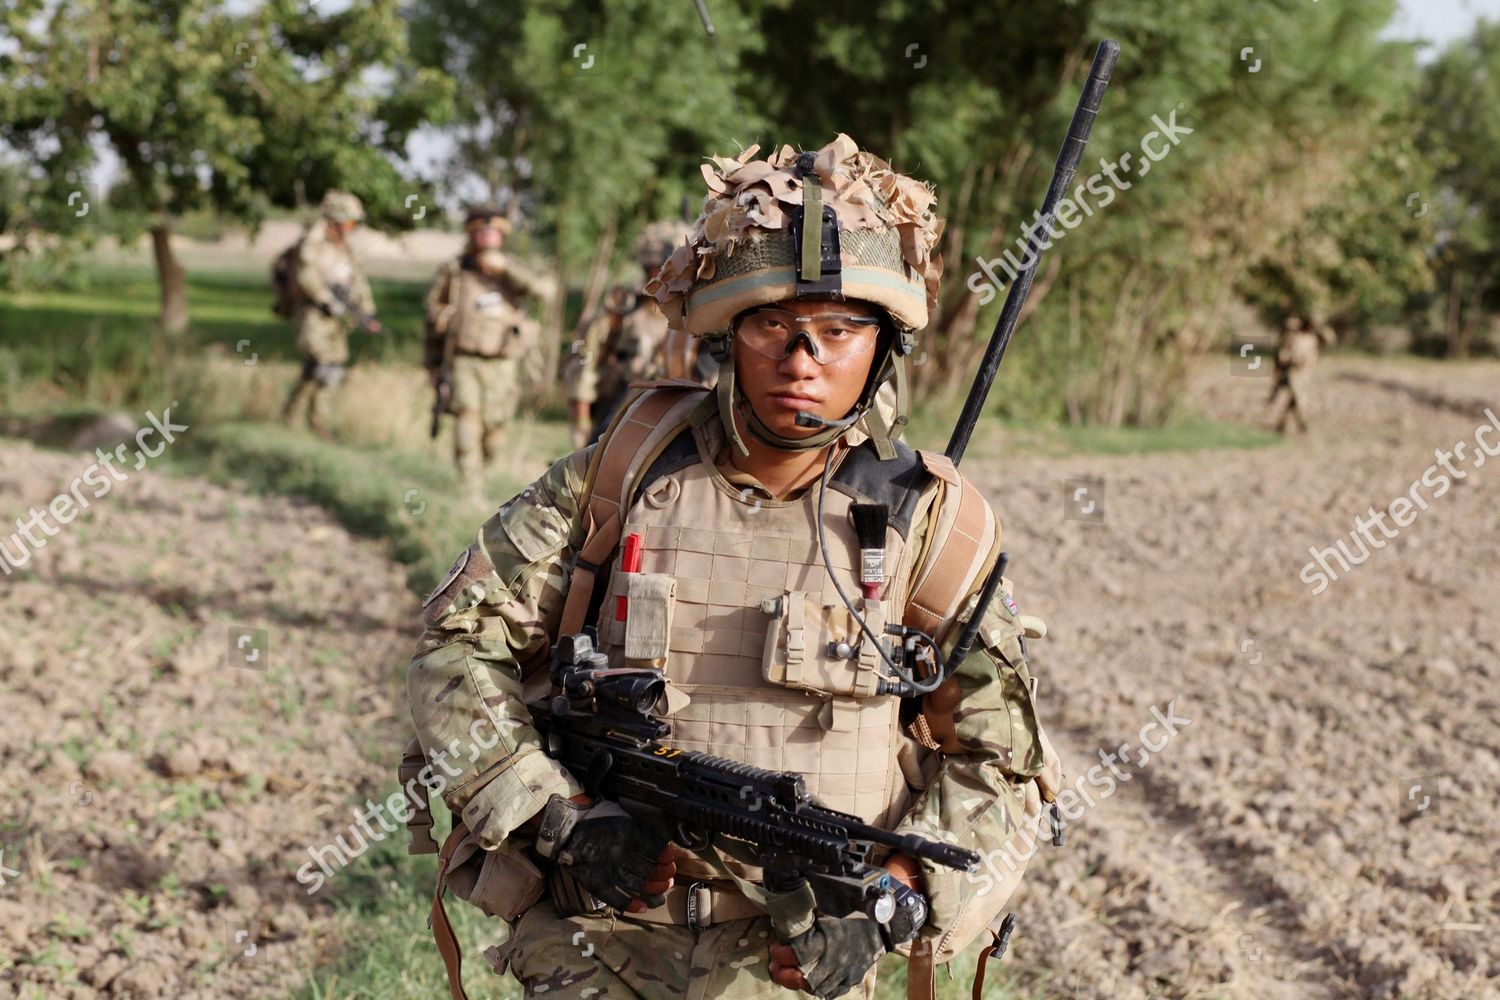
[625, 341]
[717, 535]
[320, 287]
[1296, 355]
[478, 329]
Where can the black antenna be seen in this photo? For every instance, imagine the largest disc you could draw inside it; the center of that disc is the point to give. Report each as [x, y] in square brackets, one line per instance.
[713, 38]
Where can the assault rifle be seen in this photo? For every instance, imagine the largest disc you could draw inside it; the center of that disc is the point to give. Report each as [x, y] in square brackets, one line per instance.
[600, 727]
[345, 297]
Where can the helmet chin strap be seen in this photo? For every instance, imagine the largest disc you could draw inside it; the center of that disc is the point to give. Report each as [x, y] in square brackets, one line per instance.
[729, 393]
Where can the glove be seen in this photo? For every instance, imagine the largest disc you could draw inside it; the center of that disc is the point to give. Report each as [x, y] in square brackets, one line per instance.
[831, 957]
[610, 854]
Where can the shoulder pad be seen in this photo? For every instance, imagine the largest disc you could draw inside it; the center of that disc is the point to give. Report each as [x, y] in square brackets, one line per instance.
[897, 482]
[471, 566]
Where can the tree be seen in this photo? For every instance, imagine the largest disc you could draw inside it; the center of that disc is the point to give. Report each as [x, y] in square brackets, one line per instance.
[206, 107]
[1461, 91]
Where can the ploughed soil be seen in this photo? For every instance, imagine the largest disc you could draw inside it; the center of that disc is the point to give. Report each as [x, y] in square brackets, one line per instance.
[1323, 826]
[1278, 845]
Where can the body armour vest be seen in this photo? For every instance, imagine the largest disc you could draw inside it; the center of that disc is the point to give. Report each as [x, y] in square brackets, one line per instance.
[485, 323]
[764, 662]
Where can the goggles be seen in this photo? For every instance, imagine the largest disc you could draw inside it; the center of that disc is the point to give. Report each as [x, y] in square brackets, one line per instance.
[775, 333]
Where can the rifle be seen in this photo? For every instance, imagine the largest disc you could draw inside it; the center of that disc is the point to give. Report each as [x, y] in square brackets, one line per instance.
[345, 297]
[443, 387]
[600, 727]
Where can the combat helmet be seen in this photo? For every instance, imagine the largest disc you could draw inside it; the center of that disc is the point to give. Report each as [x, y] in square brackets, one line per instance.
[341, 206]
[658, 240]
[835, 222]
[485, 217]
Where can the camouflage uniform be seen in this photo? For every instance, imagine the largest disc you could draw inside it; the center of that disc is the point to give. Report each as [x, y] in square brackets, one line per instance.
[478, 330]
[491, 622]
[321, 321]
[1296, 356]
[626, 340]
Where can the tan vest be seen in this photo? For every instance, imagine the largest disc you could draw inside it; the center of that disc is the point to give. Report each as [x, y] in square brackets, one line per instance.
[732, 596]
[485, 322]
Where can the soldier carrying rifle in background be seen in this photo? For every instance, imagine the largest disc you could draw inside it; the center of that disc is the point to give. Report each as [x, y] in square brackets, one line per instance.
[625, 341]
[320, 287]
[478, 329]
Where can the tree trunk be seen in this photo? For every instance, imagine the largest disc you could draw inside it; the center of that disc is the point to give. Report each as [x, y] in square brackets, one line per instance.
[173, 282]
[1455, 347]
[597, 281]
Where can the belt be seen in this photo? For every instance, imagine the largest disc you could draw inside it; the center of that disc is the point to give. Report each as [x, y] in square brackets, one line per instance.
[698, 906]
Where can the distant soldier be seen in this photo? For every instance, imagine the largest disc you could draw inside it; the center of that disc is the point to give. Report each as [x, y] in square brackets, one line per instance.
[478, 330]
[322, 290]
[625, 341]
[1296, 354]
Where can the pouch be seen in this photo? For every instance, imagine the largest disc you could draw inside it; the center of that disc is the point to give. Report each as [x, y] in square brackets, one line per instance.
[800, 649]
[500, 883]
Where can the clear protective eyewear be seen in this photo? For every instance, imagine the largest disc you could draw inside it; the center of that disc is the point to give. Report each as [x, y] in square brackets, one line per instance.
[775, 334]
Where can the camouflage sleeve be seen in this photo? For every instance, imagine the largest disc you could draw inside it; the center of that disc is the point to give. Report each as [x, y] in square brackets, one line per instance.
[362, 293]
[436, 308]
[312, 262]
[987, 798]
[489, 628]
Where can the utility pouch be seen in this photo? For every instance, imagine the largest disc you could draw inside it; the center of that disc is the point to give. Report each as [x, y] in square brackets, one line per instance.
[648, 622]
[500, 883]
[811, 646]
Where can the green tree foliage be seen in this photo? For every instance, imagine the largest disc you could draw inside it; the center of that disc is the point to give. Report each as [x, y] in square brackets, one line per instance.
[1461, 124]
[591, 116]
[207, 107]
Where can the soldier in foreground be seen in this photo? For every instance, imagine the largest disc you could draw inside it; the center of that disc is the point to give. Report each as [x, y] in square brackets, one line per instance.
[477, 332]
[322, 290]
[1296, 356]
[717, 536]
[624, 342]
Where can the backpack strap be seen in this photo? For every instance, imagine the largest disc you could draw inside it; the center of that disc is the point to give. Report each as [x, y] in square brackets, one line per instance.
[648, 422]
[965, 539]
[442, 931]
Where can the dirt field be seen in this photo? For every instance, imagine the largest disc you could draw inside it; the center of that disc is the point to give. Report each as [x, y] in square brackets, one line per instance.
[1325, 826]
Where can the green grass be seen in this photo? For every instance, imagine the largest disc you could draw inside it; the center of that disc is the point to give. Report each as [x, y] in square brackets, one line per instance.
[97, 341]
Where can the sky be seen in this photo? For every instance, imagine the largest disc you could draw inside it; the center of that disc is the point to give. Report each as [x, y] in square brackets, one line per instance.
[1439, 21]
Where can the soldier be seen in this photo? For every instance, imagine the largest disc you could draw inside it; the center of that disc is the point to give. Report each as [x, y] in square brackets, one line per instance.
[477, 332]
[742, 542]
[624, 342]
[327, 295]
[1296, 355]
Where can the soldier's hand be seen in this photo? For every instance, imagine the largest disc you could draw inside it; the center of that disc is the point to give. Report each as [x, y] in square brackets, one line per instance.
[831, 958]
[619, 860]
[374, 327]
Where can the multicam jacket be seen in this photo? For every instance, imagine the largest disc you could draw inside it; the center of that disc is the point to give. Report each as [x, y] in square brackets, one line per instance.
[491, 623]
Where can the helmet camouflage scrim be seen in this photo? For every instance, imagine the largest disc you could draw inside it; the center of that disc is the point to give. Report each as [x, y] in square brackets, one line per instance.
[657, 242]
[870, 235]
[341, 206]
